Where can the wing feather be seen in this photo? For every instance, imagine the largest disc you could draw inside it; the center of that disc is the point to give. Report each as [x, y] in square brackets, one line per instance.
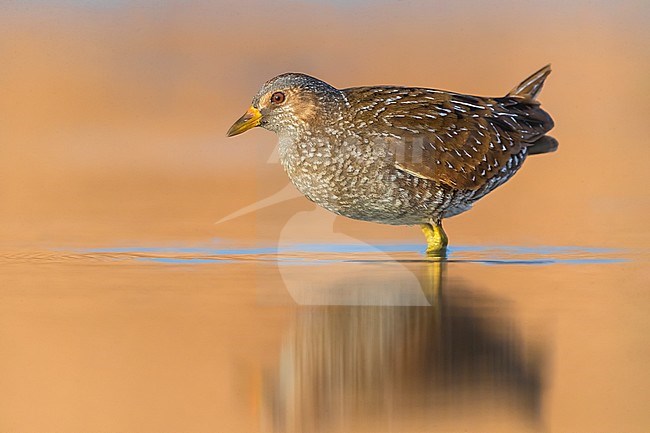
[459, 140]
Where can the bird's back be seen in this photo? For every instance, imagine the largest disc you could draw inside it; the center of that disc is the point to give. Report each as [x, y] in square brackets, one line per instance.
[460, 141]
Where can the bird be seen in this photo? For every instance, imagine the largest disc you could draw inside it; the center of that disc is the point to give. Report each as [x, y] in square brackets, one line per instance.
[399, 155]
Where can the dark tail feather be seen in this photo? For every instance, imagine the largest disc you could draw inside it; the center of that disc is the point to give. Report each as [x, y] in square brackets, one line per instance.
[544, 144]
[531, 121]
[531, 86]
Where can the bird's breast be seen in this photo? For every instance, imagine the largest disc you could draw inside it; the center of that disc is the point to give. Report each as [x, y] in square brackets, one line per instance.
[322, 169]
[350, 178]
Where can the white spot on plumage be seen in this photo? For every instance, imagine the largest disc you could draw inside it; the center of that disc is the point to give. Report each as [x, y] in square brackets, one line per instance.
[467, 104]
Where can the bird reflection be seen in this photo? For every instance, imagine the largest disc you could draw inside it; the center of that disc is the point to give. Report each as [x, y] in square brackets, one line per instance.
[343, 364]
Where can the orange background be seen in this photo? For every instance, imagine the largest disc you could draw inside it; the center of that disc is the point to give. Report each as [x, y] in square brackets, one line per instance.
[112, 133]
[114, 113]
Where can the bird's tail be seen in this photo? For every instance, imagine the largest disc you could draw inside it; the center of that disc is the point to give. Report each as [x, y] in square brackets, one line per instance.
[531, 119]
[531, 86]
[545, 144]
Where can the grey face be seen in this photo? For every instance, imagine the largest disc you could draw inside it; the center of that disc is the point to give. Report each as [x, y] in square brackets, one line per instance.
[293, 102]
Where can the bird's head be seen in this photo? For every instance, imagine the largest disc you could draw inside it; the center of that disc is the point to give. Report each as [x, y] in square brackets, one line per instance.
[289, 104]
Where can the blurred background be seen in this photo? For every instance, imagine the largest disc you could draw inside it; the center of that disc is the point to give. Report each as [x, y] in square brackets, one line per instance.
[113, 113]
[115, 173]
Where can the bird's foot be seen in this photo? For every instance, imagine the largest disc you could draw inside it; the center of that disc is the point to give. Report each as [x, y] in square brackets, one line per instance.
[437, 240]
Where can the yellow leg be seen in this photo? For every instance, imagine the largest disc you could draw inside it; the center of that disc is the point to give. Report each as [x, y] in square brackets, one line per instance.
[436, 239]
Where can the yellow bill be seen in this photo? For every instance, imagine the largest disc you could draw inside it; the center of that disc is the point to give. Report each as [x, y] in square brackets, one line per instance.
[249, 120]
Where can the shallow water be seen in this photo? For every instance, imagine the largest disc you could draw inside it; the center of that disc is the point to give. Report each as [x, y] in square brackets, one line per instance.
[324, 338]
[120, 312]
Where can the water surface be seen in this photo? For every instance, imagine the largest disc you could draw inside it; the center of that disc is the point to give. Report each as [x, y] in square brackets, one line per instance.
[326, 338]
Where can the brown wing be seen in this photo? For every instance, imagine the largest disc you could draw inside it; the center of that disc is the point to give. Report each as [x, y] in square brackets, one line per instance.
[458, 140]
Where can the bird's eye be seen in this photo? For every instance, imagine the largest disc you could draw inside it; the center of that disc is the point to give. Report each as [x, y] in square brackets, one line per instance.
[278, 98]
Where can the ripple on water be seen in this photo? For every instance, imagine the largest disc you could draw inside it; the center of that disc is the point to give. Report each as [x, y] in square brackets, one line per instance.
[313, 254]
